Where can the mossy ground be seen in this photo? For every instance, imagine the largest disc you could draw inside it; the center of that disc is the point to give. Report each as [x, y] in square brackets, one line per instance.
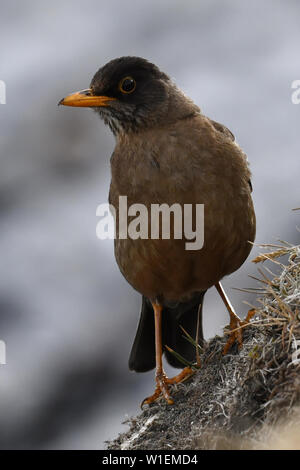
[248, 399]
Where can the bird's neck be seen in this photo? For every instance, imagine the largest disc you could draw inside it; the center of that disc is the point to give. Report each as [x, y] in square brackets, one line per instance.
[176, 108]
[180, 106]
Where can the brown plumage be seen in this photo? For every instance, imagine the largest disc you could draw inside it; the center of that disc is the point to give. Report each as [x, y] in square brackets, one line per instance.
[167, 151]
[195, 163]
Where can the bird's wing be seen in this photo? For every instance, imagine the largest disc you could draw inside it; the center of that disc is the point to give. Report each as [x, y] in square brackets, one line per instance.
[221, 128]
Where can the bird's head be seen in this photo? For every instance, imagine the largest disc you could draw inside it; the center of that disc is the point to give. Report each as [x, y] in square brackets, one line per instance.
[130, 94]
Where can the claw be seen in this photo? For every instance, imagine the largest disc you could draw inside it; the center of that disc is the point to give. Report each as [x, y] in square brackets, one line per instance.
[162, 382]
[236, 326]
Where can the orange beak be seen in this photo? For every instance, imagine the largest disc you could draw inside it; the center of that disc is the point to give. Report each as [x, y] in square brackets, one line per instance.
[85, 99]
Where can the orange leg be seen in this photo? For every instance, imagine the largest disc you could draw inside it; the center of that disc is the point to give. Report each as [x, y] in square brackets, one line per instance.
[236, 324]
[162, 381]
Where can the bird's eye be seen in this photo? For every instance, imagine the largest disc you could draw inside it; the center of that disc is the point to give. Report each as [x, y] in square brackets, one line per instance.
[127, 85]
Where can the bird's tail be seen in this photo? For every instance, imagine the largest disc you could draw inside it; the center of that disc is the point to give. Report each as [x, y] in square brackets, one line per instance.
[185, 314]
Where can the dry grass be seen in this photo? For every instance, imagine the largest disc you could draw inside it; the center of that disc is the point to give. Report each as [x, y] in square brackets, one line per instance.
[244, 400]
[276, 360]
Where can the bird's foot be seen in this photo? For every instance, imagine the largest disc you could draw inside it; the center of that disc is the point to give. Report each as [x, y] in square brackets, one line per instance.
[236, 326]
[162, 386]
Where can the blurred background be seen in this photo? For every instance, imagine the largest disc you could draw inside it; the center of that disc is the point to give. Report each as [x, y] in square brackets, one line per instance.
[66, 314]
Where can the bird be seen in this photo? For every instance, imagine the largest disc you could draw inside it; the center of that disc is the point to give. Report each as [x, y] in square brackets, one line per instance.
[168, 152]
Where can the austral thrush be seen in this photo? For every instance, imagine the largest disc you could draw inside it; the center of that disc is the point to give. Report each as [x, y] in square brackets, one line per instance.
[168, 152]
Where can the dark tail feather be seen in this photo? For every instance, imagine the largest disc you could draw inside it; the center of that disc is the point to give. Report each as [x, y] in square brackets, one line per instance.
[185, 315]
[142, 356]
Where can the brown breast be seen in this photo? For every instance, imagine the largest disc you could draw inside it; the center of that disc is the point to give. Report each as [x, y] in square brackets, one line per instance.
[191, 162]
